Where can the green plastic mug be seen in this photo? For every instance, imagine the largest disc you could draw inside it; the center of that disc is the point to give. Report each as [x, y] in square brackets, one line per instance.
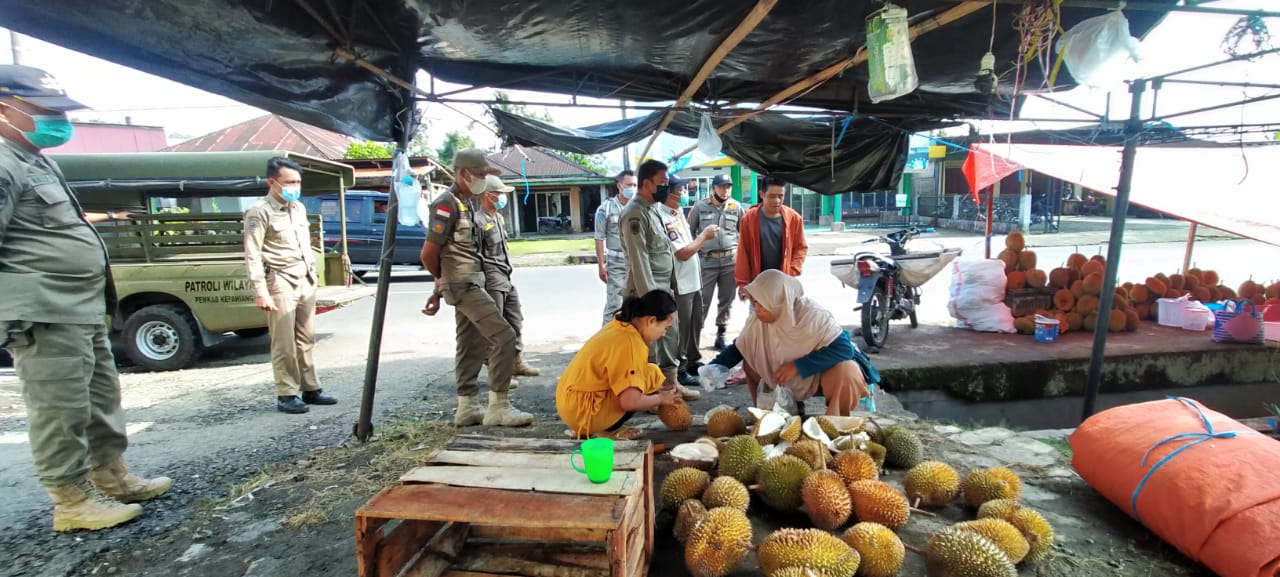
[597, 459]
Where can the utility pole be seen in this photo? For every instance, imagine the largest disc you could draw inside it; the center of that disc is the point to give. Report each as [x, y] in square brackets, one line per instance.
[626, 148]
[15, 47]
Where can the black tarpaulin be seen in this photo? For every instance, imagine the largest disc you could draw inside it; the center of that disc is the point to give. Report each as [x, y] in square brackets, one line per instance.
[870, 157]
[279, 55]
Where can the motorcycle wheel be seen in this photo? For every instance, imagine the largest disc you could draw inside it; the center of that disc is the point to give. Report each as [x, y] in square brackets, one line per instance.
[875, 318]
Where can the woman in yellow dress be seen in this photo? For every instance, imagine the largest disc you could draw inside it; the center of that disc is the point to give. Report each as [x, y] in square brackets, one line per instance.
[611, 378]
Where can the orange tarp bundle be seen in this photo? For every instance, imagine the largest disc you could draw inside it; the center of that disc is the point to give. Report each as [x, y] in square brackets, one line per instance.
[1199, 479]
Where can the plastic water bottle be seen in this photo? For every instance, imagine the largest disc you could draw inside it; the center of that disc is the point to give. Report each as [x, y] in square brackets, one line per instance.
[868, 403]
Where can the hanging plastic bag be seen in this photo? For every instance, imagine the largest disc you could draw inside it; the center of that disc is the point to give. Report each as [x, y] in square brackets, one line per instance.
[1096, 50]
[708, 141]
[408, 191]
[712, 377]
[772, 398]
[892, 68]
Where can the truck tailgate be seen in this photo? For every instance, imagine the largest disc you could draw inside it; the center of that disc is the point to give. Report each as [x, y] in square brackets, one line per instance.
[332, 297]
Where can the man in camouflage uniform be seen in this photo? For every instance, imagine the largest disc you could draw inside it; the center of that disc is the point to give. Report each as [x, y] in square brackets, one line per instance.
[451, 254]
[57, 294]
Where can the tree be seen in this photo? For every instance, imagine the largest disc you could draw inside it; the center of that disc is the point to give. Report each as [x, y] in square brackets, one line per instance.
[369, 149]
[594, 162]
[453, 142]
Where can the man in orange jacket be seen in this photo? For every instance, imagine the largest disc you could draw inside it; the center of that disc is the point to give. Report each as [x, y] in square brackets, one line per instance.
[771, 236]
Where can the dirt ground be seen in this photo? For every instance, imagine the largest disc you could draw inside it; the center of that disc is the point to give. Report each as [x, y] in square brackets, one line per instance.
[295, 517]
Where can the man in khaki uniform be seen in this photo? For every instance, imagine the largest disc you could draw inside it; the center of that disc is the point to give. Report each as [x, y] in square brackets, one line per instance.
[451, 254]
[277, 252]
[56, 292]
[610, 258]
[721, 211]
[651, 261]
[497, 265]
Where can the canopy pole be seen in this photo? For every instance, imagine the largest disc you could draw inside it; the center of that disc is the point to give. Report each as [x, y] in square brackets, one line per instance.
[1132, 131]
[934, 23]
[991, 211]
[1191, 242]
[402, 127]
[749, 23]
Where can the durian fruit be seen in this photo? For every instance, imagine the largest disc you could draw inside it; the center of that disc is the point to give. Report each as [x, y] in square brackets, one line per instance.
[854, 465]
[718, 543]
[877, 452]
[1027, 261]
[1117, 321]
[1093, 284]
[1076, 261]
[826, 500]
[881, 550]
[1060, 278]
[988, 484]
[768, 428]
[818, 550]
[1010, 260]
[779, 481]
[691, 513]
[1036, 529]
[1093, 267]
[676, 416]
[1007, 537]
[1016, 280]
[1037, 278]
[700, 454]
[1025, 325]
[877, 502]
[1015, 242]
[932, 484]
[811, 452]
[740, 458]
[796, 572]
[957, 553]
[681, 484]
[1075, 321]
[726, 492]
[998, 509]
[791, 431]
[828, 427]
[903, 447]
[724, 421]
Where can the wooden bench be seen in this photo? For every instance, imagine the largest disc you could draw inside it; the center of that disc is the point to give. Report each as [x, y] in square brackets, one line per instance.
[493, 506]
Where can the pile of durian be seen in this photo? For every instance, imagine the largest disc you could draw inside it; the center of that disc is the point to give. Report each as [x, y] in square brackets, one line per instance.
[832, 474]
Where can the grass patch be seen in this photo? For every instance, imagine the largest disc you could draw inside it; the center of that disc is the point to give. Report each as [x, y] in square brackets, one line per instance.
[550, 245]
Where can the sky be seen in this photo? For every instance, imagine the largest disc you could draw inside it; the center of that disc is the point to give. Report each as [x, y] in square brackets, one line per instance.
[117, 93]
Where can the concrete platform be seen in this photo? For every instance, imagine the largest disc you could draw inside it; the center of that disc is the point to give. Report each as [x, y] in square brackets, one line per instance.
[941, 372]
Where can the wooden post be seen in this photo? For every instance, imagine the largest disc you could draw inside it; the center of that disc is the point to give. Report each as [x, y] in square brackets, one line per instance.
[1191, 242]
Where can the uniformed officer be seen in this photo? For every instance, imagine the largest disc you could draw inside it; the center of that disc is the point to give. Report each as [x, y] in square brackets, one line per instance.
[497, 265]
[57, 293]
[611, 259]
[651, 262]
[688, 279]
[717, 254]
[451, 254]
[282, 268]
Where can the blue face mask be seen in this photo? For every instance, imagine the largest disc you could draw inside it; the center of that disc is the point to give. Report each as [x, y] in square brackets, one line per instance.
[501, 203]
[290, 193]
[51, 131]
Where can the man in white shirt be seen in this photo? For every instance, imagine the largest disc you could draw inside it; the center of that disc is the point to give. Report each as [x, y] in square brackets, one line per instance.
[688, 279]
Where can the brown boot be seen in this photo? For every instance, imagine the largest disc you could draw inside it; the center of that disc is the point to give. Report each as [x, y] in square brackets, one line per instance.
[83, 506]
[500, 413]
[522, 369]
[115, 480]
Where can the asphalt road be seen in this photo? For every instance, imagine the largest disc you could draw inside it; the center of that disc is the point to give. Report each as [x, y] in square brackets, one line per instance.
[218, 420]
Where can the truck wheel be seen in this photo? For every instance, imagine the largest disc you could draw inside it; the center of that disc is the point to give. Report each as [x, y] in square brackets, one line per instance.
[162, 338]
[251, 333]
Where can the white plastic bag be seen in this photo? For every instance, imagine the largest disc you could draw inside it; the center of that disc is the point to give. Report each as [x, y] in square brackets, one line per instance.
[890, 64]
[712, 377]
[772, 398]
[977, 296]
[709, 142]
[1096, 50]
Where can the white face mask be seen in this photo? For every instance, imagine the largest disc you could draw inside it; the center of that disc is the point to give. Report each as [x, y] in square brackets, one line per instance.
[629, 193]
[476, 184]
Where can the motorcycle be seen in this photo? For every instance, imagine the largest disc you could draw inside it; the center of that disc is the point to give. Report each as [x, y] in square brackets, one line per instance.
[889, 285]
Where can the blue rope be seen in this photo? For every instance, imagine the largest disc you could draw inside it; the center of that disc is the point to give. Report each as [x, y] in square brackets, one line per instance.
[931, 138]
[843, 127]
[1199, 438]
[524, 175]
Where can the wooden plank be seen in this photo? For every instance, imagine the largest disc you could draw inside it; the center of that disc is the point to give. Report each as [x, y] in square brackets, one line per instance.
[637, 558]
[452, 573]
[548, 534]
[439, 553]
[516, 445]
[402, 544]
[493, 507]
[621, 461]
[649, 503]
[541, 480]
[368, 536]
[533, 560]
[618, 553]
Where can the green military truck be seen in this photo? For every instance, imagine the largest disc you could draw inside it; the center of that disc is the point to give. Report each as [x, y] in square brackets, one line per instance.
[178, 263]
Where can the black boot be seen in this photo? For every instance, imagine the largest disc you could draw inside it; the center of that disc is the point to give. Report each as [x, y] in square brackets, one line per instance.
[719, 344]
[317, 397]
[292, 405]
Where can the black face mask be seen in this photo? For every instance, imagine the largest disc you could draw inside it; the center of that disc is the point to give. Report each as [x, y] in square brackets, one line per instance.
[660, 194]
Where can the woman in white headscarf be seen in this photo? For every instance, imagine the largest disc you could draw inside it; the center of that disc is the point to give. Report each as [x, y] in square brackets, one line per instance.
[791, 341]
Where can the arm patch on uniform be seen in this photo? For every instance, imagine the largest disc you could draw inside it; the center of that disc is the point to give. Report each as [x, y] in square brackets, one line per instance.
[635, 226]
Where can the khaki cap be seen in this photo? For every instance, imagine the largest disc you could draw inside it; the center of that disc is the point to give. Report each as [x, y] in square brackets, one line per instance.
[494, 184]
[473, 159]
